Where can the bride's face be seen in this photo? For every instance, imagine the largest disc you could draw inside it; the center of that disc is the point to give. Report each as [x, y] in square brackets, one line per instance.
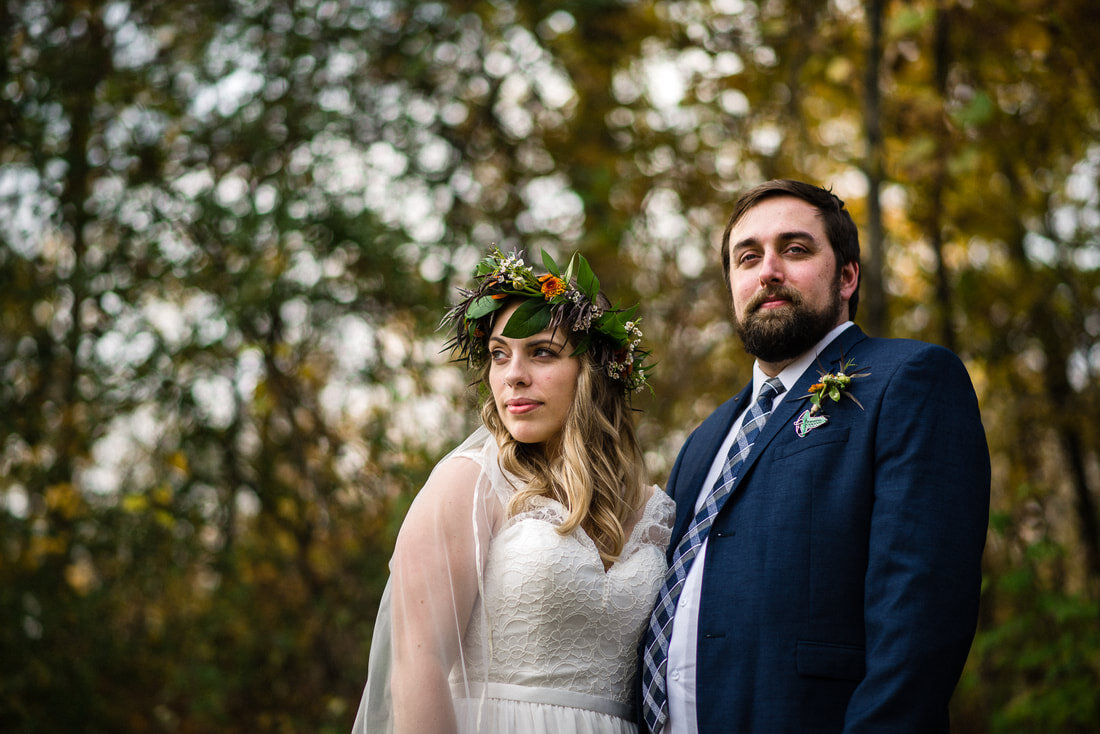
[533, 380]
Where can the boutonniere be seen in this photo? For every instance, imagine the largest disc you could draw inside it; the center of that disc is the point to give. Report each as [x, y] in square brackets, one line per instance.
[831, 385]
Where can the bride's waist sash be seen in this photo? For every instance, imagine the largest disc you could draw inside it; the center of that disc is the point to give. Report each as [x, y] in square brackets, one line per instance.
[548, 696]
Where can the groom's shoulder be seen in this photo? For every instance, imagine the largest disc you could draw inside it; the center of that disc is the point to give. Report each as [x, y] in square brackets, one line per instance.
[903, 348]
[889, 355]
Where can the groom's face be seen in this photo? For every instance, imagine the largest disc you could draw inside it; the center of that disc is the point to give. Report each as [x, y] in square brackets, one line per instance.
[787, 289]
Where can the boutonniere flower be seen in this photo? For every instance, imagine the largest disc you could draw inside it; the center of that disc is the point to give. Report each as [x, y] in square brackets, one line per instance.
[833, 386]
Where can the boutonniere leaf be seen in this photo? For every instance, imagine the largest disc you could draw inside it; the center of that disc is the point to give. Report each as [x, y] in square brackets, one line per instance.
[832, 386]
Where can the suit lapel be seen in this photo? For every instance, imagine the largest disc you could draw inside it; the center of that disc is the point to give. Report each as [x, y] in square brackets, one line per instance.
[781, 422]
[696, 466]
[839, 350]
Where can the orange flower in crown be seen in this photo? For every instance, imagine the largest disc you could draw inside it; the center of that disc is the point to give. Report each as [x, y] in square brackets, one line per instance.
[551, 286]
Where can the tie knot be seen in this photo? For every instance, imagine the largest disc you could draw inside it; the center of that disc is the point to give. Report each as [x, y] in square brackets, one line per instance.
[771, 389]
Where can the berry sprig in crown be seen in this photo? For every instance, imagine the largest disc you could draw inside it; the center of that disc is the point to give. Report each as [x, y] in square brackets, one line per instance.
[569, 299]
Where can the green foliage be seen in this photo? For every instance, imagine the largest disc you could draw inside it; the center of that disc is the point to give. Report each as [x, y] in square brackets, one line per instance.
[1041, 661]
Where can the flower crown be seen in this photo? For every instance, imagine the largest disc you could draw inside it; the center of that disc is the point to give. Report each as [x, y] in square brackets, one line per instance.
[549, 301]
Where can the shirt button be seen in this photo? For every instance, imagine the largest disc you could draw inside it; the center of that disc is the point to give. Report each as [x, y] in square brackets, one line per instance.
[676, 675]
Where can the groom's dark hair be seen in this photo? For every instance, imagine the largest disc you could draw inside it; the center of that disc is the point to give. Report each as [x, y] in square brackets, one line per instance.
[839, 227]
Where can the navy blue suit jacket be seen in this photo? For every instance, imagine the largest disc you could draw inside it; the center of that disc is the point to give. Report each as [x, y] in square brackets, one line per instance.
[841, 579]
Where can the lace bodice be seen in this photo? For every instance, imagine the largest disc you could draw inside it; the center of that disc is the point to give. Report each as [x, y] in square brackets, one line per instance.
[549, 615]
[549, 643]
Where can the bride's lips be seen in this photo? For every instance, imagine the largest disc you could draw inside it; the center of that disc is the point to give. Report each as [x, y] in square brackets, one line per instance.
[519, 406]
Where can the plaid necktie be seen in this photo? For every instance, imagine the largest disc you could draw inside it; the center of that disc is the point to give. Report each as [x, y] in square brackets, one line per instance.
[655, 658]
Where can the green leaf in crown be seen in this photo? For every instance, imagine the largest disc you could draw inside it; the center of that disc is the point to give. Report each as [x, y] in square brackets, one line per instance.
[483, 306]
[529, 318]
[587, 282]
[550, 265]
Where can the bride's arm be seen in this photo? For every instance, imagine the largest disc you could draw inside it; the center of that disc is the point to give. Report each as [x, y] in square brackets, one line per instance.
[435, 587]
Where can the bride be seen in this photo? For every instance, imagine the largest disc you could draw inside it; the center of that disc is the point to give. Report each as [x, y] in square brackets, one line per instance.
[526, 569]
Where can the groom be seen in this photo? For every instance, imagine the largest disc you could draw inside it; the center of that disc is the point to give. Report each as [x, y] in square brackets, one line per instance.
[825, 562]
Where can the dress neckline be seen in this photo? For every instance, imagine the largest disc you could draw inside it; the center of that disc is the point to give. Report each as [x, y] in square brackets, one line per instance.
[646, 518]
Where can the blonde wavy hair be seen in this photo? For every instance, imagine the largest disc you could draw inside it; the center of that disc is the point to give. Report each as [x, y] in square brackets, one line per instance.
[595, 468]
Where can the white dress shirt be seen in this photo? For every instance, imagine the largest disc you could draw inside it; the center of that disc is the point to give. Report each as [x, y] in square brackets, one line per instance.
[685, 623]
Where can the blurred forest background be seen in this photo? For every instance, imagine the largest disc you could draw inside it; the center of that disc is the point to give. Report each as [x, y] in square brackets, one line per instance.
[228, 229]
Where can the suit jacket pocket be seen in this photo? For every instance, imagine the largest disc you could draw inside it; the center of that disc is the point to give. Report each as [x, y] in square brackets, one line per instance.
[818, 437]
[830, 660]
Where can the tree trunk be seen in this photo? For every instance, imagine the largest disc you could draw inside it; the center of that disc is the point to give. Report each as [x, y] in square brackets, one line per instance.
[873, 264]
[944, 296]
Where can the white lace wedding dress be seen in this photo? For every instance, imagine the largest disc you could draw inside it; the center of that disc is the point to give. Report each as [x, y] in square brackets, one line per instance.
[552, 643]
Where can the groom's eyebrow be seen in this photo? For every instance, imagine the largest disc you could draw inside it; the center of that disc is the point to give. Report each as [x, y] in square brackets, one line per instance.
[795, 234]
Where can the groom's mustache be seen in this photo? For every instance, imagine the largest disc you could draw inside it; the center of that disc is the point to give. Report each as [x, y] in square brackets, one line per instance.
[772, 292]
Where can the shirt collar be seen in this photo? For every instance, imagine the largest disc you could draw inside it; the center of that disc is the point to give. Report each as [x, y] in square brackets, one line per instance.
[790, 374]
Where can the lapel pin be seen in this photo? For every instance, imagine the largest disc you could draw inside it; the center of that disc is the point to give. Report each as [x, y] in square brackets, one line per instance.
[830, 385]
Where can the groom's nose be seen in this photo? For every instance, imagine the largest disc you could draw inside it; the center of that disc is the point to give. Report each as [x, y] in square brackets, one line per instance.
[771, 268]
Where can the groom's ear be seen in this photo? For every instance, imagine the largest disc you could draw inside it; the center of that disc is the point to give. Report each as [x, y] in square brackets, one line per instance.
[849, 281]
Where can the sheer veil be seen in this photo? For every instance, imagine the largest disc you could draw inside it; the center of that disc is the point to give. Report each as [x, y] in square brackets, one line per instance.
[483, 490]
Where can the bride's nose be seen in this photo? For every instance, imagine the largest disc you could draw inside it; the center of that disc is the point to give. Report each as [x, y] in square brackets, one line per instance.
[517, 372]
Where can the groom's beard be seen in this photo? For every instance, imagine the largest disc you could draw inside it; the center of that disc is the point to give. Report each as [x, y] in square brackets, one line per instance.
[777, 335]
